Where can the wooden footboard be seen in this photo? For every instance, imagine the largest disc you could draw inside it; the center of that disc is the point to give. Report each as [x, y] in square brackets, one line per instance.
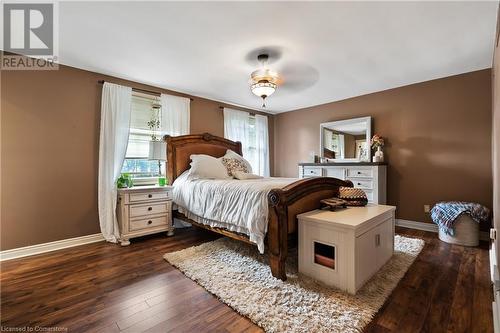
[284, 206]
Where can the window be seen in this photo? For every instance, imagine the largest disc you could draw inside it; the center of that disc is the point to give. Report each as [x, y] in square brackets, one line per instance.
[252, 149]
[136, 161]
[252, 132]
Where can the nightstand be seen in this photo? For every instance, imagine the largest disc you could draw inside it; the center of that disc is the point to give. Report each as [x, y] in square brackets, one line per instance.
[144, 210]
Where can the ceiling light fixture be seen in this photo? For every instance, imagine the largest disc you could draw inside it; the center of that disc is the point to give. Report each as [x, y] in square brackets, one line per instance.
[263, 81]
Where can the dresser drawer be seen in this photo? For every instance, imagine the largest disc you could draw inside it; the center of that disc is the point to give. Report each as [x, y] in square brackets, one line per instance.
[144, 196]
[148, 223]
[362, 183]
[369, 195]
[335, 172]
[358, 172]
[151, 209]
[313, 172]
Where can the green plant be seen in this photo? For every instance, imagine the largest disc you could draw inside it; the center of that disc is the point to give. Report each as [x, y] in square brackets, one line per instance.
[124, 181]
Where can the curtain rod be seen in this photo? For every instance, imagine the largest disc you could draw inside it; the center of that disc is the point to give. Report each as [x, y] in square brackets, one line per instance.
[141, 90]
[251, 113]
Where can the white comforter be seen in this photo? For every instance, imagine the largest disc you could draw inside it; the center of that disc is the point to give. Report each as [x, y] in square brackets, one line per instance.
[236, 205]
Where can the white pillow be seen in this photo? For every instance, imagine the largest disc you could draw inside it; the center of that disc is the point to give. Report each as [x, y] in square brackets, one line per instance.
[232, 154]
[243, 175]
[207, 167]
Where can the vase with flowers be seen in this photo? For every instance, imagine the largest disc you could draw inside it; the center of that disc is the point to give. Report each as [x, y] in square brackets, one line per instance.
[377, 143]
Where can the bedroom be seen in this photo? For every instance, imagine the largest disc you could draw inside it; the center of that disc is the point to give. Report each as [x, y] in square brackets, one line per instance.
[101, 140]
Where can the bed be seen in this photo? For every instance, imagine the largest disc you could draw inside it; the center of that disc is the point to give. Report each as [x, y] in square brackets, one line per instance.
[283, 202]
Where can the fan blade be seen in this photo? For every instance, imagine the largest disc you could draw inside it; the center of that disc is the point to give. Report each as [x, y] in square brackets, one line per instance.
[297, 76]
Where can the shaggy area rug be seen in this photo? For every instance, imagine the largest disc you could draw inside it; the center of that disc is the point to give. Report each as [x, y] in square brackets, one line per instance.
[240, 277]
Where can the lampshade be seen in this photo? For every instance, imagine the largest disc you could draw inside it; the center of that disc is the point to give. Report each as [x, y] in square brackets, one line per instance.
[157, 150]
[263, 88]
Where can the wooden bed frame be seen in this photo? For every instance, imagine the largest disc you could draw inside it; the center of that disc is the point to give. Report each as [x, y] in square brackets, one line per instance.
[284, 203]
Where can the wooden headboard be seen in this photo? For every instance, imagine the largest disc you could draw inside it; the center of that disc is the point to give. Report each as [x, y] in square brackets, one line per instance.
[180, 148]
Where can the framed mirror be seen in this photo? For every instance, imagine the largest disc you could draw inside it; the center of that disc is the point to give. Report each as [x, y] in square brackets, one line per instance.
[346, 140]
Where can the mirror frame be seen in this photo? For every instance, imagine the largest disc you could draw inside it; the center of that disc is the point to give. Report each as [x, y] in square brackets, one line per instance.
[368, 121]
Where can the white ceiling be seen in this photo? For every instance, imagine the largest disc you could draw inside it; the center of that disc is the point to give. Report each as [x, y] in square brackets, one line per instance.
[346, 48]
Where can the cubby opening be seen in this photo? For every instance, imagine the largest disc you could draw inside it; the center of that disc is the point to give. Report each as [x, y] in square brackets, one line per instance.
[324, 255]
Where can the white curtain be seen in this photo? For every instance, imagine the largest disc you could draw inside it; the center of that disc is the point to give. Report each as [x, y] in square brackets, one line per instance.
[236, 128]
[113, 140]
[262, 145]
[175, 116]
[175, 113]
[255, 146]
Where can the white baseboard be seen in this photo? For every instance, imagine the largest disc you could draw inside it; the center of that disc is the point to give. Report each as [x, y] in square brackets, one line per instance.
[431, 227]
[47, 247]
[417, 225]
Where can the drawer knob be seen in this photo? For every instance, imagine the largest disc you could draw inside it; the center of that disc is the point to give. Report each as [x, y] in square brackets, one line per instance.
[359, 183]
[359, 172]
[149, 222]
[150, 208]
[150, 195]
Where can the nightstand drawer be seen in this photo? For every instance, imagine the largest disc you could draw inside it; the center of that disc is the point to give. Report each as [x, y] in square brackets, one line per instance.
[148, 223]
[151, 209]
[144, 196]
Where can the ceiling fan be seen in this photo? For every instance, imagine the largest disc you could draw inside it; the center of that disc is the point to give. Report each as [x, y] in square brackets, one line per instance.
[264, 81]
[291, 76]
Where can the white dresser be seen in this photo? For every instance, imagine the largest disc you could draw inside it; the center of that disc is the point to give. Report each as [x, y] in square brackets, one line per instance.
[345, 248]
[144, 210]
[370, 177]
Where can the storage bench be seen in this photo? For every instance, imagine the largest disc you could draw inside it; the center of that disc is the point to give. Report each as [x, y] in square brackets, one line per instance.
[345, 248]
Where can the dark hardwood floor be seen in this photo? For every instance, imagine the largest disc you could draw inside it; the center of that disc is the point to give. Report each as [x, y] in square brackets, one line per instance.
[106, 288]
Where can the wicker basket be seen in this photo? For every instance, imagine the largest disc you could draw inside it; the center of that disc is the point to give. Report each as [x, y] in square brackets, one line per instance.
[466, 232]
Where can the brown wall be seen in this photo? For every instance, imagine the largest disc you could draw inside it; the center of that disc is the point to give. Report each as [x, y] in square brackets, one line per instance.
[49, 152]
[438, 139]
[439, 146]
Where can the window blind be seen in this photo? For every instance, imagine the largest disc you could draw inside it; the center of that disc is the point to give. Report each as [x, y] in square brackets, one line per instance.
[140, 134]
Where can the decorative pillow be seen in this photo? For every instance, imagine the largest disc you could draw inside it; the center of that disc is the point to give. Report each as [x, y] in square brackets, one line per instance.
[207, 167]
[244, 175]
[232, 154]
[353, 196]
[233, 164]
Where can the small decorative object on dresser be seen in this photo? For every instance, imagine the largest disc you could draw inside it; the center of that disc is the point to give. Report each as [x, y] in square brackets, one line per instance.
[162, 181]
[378, 143]
[144, 210]
[345, 248]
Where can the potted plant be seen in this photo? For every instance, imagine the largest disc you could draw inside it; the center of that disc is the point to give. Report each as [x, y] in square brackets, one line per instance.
[124, 181]
[377, 143]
